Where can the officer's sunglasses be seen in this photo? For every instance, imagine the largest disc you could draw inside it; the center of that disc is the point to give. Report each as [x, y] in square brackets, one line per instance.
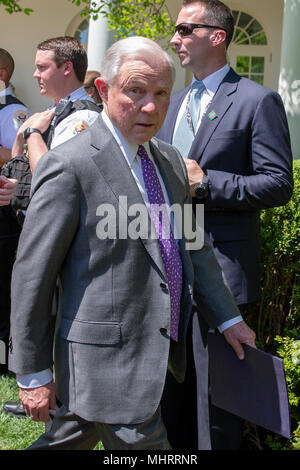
[186, 29]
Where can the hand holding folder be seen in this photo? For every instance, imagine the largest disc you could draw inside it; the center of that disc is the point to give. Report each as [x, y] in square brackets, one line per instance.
[253, 388]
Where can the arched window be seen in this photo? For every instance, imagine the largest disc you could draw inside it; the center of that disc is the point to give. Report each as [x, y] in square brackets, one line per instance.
[82, 32]
[249, 52]
[79, 28]
[247, 30]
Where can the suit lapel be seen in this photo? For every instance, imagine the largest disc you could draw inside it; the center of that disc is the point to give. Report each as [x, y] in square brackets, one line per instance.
[173, 183]
[110, 161]
[214, 114]
[166, 170]
[167, 130]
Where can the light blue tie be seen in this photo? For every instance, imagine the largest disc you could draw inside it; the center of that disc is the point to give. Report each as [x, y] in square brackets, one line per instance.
[185, 133]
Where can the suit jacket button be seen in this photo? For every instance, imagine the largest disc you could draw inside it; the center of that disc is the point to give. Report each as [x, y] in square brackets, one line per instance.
[164, 286]
[163, 331]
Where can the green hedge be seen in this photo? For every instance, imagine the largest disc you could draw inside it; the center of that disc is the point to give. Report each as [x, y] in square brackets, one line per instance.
[276, 317]
[277, 313]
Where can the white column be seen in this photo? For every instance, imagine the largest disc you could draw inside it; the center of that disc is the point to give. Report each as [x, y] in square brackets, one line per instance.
[99, 40]
[289, 81]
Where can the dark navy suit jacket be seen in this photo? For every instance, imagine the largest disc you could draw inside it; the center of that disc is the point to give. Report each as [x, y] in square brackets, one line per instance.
[245, 152]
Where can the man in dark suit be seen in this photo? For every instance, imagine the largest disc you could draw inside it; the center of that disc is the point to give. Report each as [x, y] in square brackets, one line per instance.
[125, 295]
[234, 136]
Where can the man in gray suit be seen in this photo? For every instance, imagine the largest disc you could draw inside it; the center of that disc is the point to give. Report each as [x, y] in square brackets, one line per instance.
[125, 297]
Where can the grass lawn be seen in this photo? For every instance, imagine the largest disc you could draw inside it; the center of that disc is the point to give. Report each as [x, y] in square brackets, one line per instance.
[17, 434]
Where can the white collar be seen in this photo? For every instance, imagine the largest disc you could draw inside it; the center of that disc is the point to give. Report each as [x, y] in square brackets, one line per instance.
[6, 91]
[213, 81]
[128, 148]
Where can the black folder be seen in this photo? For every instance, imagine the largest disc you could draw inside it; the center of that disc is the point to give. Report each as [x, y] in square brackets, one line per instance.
[254, 389]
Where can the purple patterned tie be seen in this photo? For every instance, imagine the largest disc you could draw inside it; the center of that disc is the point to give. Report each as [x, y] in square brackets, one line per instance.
[168, 248]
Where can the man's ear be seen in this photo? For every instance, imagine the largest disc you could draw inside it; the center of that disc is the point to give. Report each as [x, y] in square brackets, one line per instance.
[102, 87]
[218, 37]
[3, 76]
[68, 67]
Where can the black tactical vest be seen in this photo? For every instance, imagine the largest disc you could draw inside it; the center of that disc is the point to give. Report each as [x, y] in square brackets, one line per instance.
[19, 168]
[8, 223]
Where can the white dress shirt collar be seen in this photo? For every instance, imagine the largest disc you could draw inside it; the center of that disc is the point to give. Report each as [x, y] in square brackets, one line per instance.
[129, 149]
[213, 81]
[6, 91]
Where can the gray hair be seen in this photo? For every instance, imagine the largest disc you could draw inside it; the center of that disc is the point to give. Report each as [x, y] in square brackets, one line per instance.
[130, 48]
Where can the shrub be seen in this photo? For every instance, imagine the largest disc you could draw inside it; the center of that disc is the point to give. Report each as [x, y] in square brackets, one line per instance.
[278, 312]
[289, 351]
[276, 317]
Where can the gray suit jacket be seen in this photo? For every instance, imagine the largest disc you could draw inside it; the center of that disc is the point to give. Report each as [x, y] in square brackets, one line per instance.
[245, 152]
[112, 345]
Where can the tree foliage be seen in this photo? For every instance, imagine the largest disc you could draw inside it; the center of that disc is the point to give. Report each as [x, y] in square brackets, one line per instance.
[149, 18]
[12, 6]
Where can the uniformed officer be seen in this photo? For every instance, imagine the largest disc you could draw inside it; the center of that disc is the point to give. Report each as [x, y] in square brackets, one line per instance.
[61, 65]
[12, 112]
[12, 115]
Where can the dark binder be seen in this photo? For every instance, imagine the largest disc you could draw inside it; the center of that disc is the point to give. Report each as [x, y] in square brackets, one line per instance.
[254, 389]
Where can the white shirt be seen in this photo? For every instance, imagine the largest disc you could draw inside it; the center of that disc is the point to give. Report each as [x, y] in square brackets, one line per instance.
[11, 118]
[75, 122]
[212, 83]
[129, 151]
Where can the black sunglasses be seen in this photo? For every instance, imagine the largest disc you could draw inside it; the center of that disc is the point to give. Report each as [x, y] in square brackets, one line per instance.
[185, 29]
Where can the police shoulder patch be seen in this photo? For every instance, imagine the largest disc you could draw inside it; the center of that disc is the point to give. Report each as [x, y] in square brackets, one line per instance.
[20, 117]
[79, 127]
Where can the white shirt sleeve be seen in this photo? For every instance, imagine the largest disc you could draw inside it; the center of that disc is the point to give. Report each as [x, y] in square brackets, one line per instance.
[35, 380]
[72, 125]
[229, 323]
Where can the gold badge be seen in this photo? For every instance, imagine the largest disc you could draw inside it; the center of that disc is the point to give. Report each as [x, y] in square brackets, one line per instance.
[20, 117]
[79, 127]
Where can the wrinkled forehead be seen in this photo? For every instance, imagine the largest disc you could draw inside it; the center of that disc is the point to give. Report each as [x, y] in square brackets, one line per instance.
[147, 67]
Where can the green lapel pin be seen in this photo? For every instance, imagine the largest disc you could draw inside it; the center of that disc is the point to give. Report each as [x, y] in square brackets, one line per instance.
[212, 115]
